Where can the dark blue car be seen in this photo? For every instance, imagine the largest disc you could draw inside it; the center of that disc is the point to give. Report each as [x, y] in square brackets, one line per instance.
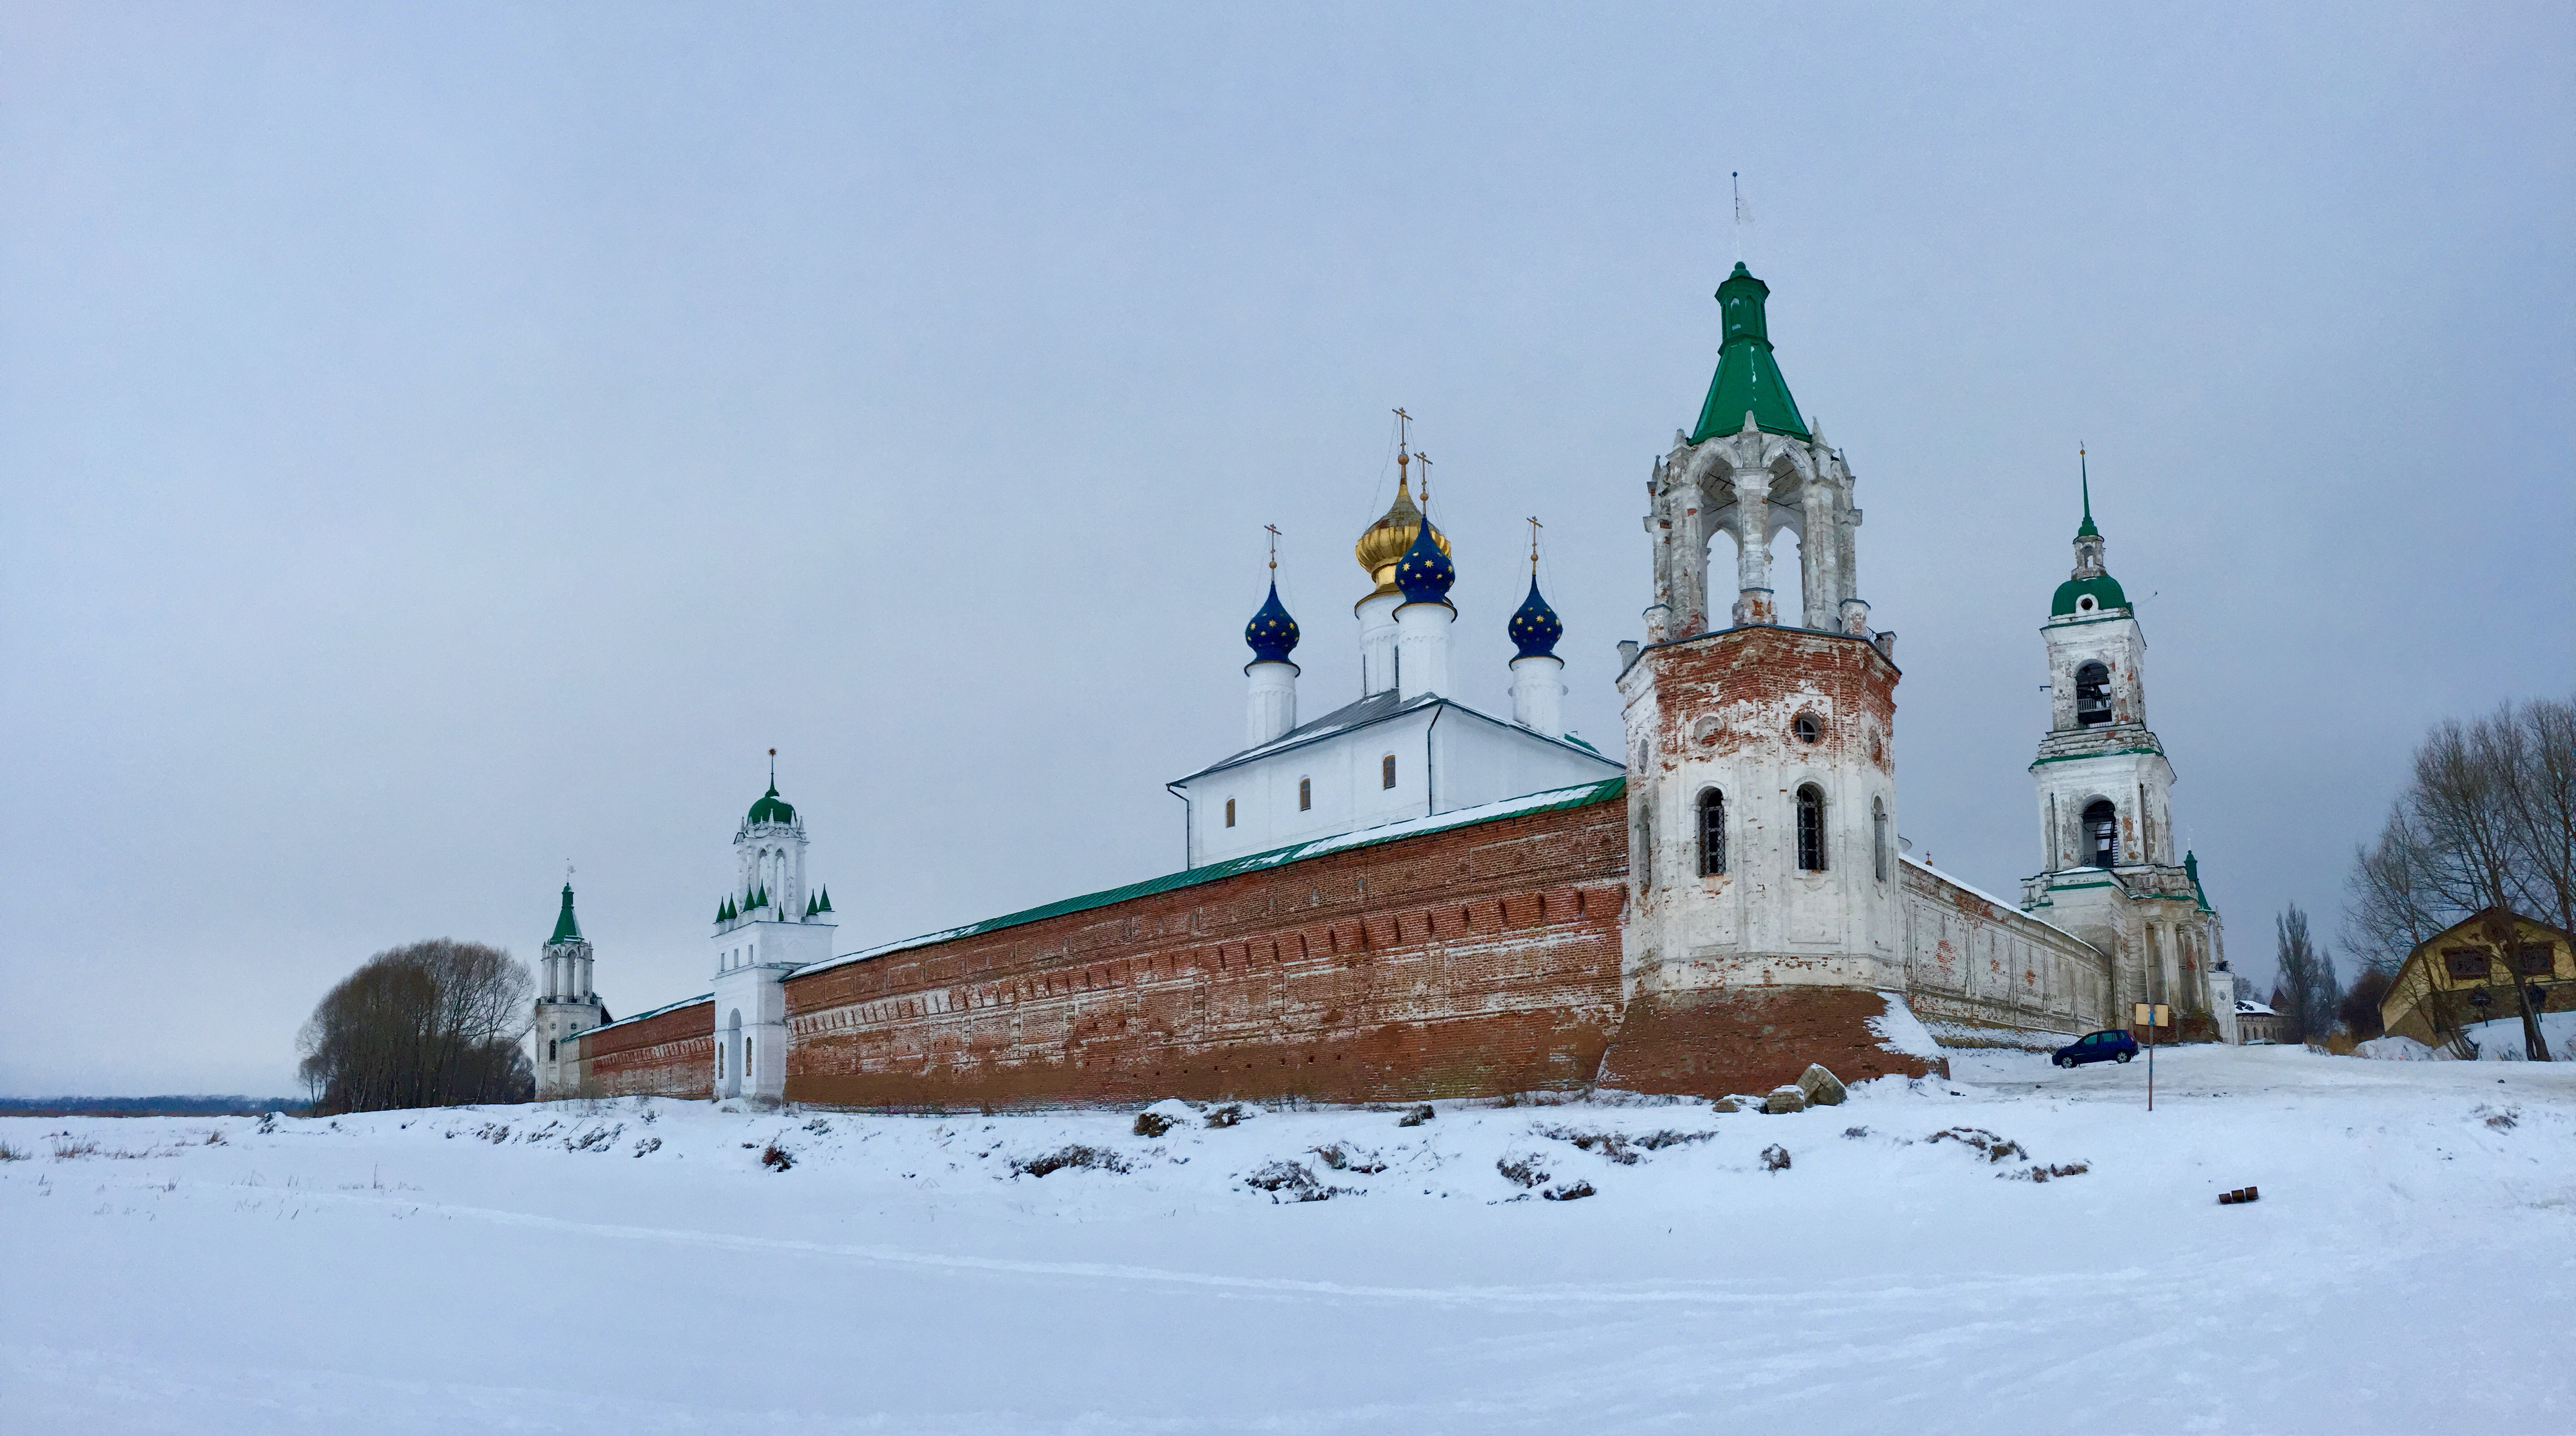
[2111, 1046]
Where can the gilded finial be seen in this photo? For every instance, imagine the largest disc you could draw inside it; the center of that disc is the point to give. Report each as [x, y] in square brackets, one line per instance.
[1534, 528]
[1273, 530]
[1424, 460]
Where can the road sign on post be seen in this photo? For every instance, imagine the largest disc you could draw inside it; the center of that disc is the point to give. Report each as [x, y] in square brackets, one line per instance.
[2152, 1015]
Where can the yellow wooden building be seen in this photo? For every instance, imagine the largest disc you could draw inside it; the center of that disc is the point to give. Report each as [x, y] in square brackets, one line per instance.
[2486, 955]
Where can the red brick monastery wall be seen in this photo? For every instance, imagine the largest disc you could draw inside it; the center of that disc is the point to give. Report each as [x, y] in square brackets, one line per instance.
[1470, 962]
[664, 1054]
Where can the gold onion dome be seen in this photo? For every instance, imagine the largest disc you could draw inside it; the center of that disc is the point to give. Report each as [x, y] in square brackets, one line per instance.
[1386, 540]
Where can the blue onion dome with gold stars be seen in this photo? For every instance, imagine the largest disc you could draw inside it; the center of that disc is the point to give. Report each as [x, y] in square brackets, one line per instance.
[1272, 634]
[772, 808]
[1535, 627]
[1424, 574]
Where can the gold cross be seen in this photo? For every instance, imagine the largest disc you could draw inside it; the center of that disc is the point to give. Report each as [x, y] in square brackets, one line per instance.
[1274, 546]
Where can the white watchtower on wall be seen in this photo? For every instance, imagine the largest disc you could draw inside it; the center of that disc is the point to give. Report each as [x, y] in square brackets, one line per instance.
[2114, 874]
[770, 925]
[566, 1006]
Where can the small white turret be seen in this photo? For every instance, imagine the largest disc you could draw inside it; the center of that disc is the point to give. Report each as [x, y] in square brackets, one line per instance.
[1271, 708]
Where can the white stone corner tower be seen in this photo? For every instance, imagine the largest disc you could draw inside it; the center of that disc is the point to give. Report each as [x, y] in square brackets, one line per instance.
[567, 1006]
[770, 925]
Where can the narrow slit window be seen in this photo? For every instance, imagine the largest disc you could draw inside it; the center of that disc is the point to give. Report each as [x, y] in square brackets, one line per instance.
[1386, 771]
[1305, 794]
[1229, 812]
[2092, 695]
[1878, 836]
[1712, 833]
[2102, 833]
[1811, 829]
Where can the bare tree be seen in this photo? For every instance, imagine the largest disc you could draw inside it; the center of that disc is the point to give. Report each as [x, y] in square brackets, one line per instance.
[2487, 821]
[432, 1024]
[2307, 993]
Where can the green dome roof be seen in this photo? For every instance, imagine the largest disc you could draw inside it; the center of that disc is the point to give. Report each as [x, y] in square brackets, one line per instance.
[772, 808]
[2105, 591]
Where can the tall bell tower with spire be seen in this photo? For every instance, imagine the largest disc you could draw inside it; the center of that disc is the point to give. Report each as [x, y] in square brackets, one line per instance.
[566, 1004]
[771, 924]
[2113, 872]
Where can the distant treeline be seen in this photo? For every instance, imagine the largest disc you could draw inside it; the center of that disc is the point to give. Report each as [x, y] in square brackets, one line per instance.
[148, 1106]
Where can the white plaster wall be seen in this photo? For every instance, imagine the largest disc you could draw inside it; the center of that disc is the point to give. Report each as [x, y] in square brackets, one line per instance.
[1972, 963]
[752, 961]
[1446, 758]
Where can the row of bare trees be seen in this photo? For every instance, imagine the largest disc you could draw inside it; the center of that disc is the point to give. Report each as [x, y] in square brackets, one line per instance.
[2487, 820]
[431, 1024]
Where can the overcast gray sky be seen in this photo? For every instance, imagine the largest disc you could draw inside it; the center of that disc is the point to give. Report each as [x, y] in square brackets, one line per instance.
[438, 441]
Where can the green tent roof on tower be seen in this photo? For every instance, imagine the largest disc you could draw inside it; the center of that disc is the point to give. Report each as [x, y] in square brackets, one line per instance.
[1748, 379]
[772, 808]
[566, 930]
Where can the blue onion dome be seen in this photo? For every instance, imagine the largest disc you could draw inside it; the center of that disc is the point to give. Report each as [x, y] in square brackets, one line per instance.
[1535, 626]
[1425, 572]
[1271, 633]
[772, 808]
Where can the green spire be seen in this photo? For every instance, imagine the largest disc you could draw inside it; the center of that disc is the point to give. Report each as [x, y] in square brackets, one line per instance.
[566, 930]
[2191, 869]
[827, 899]
[1748, 379]
[2085, 476]
[724, 910]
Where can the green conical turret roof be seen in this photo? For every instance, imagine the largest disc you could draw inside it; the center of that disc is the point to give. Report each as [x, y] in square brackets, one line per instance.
[2084, 474]
[566, 930]
[1748, 379]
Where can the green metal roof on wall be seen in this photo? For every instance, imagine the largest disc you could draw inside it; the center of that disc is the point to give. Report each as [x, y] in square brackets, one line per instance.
[1748, 379]
[1554, 800]
[2105, 590]
[566, 930]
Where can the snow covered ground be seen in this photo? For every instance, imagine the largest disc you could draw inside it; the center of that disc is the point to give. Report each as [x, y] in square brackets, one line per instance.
[525, 1269]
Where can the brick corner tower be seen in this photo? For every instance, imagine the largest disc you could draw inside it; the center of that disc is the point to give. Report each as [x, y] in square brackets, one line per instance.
[1765, 928]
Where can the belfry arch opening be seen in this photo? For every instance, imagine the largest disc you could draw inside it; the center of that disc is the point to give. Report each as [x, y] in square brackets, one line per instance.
[2101, 834]
[2092, 695]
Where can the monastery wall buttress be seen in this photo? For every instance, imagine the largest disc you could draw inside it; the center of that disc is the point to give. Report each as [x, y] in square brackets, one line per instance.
[1465, 963]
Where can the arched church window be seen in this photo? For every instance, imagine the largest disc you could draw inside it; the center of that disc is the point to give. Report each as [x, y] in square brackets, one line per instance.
[1229, 812]
[2102, 832]
[1712, 833]
[2092, 695]
[1305, 794]
[1386, 771]
[1807, 728]
[550, 1051]
[1811, 829]
[1878, 836]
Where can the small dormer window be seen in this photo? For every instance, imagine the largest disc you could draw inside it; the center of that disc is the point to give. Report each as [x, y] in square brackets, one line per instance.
[2092, 695]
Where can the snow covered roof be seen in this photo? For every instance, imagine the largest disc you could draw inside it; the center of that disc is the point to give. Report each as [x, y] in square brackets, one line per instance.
[2248, 1007]
[2011, 907]
[1583, 795]
[1376, 708]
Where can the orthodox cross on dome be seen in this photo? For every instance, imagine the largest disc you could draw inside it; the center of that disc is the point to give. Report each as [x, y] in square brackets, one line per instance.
[1534, 528]
[1273, 531]
[1424, 460]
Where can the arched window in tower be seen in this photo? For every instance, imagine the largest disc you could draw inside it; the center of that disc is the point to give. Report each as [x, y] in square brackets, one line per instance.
[1878, 836]
[1811, 829]
[550, 1050]
[1305, 794]
[2102, 833]
[1712, 833]
[2092, 695]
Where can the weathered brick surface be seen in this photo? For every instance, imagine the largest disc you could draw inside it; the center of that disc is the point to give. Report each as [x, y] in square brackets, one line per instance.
[1472, 962]
[1751, 1039]
[670, 1054]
